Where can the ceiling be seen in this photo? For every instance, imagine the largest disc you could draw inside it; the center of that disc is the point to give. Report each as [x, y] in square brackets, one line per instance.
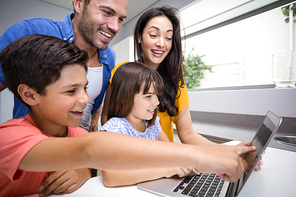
[135, 7]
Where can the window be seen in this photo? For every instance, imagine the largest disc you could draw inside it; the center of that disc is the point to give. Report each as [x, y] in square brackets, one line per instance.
[240, 52]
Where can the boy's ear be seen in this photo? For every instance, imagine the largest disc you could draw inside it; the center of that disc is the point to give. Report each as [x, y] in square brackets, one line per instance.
[27, 94]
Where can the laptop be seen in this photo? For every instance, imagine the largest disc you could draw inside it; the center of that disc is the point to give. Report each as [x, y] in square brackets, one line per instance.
[211, 184]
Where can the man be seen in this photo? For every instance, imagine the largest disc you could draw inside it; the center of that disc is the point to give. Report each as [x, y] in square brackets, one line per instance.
[91, 28]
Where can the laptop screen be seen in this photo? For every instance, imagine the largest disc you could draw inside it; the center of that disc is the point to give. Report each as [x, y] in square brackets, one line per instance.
[264, 134]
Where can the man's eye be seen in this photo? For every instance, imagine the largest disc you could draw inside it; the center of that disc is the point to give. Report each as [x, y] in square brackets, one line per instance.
[107, 12]
[121, 19]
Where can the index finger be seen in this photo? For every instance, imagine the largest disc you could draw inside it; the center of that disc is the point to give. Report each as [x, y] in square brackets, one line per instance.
[51, 179]
[244, 149]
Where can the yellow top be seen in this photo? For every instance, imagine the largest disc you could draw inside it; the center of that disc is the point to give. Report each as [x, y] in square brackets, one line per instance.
[167, 121]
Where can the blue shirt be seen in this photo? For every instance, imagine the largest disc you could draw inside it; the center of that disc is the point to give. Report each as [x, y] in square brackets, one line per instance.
[60, 29]
[122, 126]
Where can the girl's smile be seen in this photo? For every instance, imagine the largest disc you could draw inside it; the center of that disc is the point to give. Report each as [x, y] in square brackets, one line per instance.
[144, 106]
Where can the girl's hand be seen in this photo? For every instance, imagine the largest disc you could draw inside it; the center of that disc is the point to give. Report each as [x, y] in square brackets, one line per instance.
[181, 172]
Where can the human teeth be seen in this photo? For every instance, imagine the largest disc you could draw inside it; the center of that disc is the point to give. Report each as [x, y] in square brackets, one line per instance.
[159, 52]
[104, 33]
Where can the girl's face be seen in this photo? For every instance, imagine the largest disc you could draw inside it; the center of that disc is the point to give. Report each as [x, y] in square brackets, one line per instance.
[144, 105]
[156, 41]
[64, 101]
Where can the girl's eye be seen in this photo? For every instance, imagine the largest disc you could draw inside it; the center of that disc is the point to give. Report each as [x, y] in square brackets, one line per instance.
[169, 39]
[148, 96]
[71, 91]
[153, 35]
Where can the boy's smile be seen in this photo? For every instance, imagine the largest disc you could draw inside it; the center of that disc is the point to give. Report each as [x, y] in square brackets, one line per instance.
[63, 103]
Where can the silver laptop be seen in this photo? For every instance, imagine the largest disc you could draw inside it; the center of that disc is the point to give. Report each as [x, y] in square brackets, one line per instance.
[211, 184]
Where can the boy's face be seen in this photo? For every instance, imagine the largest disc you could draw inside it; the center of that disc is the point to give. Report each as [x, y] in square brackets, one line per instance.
[64, 101]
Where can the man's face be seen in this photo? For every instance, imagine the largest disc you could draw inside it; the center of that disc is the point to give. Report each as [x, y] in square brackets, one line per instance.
[101, 20]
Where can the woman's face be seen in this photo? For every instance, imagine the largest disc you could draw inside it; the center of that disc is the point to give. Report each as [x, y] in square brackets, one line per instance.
[156, 40]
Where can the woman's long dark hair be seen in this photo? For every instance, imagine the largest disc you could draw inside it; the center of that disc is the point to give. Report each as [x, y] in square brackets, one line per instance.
[171, 68]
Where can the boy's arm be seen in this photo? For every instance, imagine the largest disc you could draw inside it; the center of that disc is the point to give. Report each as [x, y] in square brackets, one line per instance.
[117, 152]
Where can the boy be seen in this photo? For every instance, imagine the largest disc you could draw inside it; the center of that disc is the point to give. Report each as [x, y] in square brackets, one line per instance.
[49, 76]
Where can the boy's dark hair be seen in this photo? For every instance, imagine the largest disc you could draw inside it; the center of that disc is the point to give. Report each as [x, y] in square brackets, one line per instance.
[126, 83]
[37, 61]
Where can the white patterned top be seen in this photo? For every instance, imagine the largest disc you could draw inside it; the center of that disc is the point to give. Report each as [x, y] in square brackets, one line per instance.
[122, 126]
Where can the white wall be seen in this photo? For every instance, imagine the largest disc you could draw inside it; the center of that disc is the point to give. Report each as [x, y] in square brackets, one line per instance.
[247, 102]
[12, 11]
[124, 50]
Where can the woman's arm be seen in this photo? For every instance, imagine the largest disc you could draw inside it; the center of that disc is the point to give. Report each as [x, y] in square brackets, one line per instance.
[186, 132]
[116, 152]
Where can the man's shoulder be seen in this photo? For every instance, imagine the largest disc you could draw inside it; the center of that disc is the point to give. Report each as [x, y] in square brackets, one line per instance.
[109, 53]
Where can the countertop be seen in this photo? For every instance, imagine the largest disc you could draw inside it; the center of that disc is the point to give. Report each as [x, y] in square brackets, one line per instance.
[221, 133]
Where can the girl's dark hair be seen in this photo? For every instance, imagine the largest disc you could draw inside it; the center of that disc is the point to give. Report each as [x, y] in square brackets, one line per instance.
[37, 61]
[126, 83]
[171, 68]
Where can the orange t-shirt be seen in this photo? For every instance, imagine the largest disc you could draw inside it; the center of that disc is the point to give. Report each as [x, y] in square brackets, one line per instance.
[18, 137]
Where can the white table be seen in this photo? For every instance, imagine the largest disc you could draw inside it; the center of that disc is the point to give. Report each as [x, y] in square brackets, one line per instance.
[277, 178]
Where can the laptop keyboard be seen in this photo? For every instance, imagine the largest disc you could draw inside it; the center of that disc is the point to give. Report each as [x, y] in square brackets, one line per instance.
[201, 185]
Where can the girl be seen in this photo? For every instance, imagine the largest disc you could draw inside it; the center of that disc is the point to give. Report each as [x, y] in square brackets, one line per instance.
[133, 111]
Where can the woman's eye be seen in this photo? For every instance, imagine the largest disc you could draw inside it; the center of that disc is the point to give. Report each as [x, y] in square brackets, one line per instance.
[169, 39]
[152, 35]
